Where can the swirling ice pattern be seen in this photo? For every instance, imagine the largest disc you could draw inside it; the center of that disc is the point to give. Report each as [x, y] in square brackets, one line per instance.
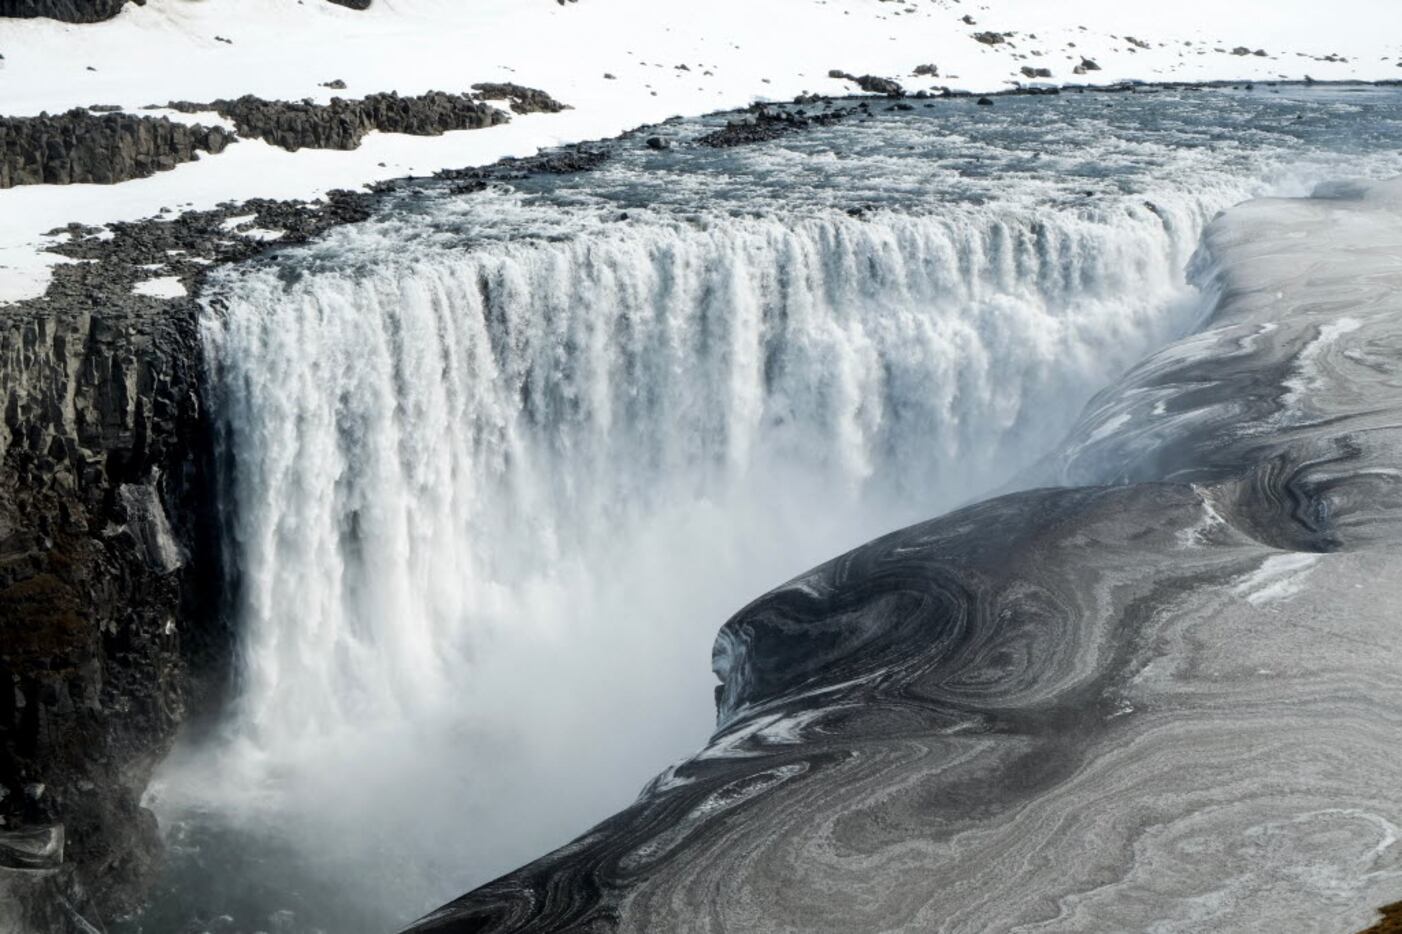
[1165, 698]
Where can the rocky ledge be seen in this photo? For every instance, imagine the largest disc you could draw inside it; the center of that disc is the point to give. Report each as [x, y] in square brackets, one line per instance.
[81, 146]
[342, 123]
[110, 578]
[101, 566]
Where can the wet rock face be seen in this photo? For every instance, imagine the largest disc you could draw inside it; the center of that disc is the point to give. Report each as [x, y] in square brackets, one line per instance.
[70, 11]
[83, 147]
[99, 492]
[110, 578]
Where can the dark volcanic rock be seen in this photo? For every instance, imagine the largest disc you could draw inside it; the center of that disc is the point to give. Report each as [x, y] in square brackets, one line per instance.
[342, 124]
[564, 161]
[70, 11]
[83, 146]
[1391, 922]
[872, 83]
[523, 100]
[877, 85]
[766, 125]
[110, 579]
[102, 565]
[95, 11]
[80, 146]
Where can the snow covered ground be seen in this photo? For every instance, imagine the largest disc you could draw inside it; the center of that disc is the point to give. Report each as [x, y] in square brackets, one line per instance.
[620, 63]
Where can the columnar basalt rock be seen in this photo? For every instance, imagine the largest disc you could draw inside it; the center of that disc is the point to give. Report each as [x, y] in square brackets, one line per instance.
[523, 100]
[99, 146]
[111, 633]
[83, 147]
[101, 490]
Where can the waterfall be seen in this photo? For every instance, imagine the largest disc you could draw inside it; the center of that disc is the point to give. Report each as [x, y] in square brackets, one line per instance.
[488, 499]
[426, 448]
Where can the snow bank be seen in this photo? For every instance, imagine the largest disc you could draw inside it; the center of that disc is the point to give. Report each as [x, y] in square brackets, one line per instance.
[619, 62]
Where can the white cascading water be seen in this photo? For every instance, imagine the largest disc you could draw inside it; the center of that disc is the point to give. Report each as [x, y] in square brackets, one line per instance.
[424, 448]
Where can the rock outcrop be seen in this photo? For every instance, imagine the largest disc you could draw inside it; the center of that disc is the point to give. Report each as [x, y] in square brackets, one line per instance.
[342, 123]
[523, 100]
[111, 633]
[102, 500]
[95, 11]
[99, 146]
[81, 146]
[874, 84]
[766, 124]
[70, 11]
